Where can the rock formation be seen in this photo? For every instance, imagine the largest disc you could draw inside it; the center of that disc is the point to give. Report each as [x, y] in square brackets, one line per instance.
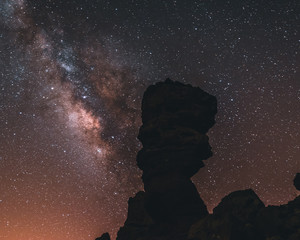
[176, 118]
[105, 236]
[297, 181]
[242, 215]
[138, 221]
[234, 218]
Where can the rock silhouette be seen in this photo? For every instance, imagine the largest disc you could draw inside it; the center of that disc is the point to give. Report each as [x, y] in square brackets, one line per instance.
[105, 236]
[297, 181]
[176, 118]
[242, 215]
[138, 221]
[234, 218]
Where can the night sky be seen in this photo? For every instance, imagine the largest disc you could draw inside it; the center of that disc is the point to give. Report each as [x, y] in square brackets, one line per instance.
[72, 76]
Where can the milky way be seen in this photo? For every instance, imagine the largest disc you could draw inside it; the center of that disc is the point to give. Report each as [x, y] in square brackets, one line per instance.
[72, 78]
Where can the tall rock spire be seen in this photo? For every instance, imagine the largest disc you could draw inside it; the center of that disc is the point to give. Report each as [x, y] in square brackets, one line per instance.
[176, 118]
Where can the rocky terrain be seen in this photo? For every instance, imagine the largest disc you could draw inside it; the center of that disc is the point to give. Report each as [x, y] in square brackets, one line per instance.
[176, 118]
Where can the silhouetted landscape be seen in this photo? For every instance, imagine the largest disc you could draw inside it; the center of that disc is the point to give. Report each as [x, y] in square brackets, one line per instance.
[72, 78]
[176, 118]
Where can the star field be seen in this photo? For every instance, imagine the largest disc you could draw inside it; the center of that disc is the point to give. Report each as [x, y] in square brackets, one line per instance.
[72, 77]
